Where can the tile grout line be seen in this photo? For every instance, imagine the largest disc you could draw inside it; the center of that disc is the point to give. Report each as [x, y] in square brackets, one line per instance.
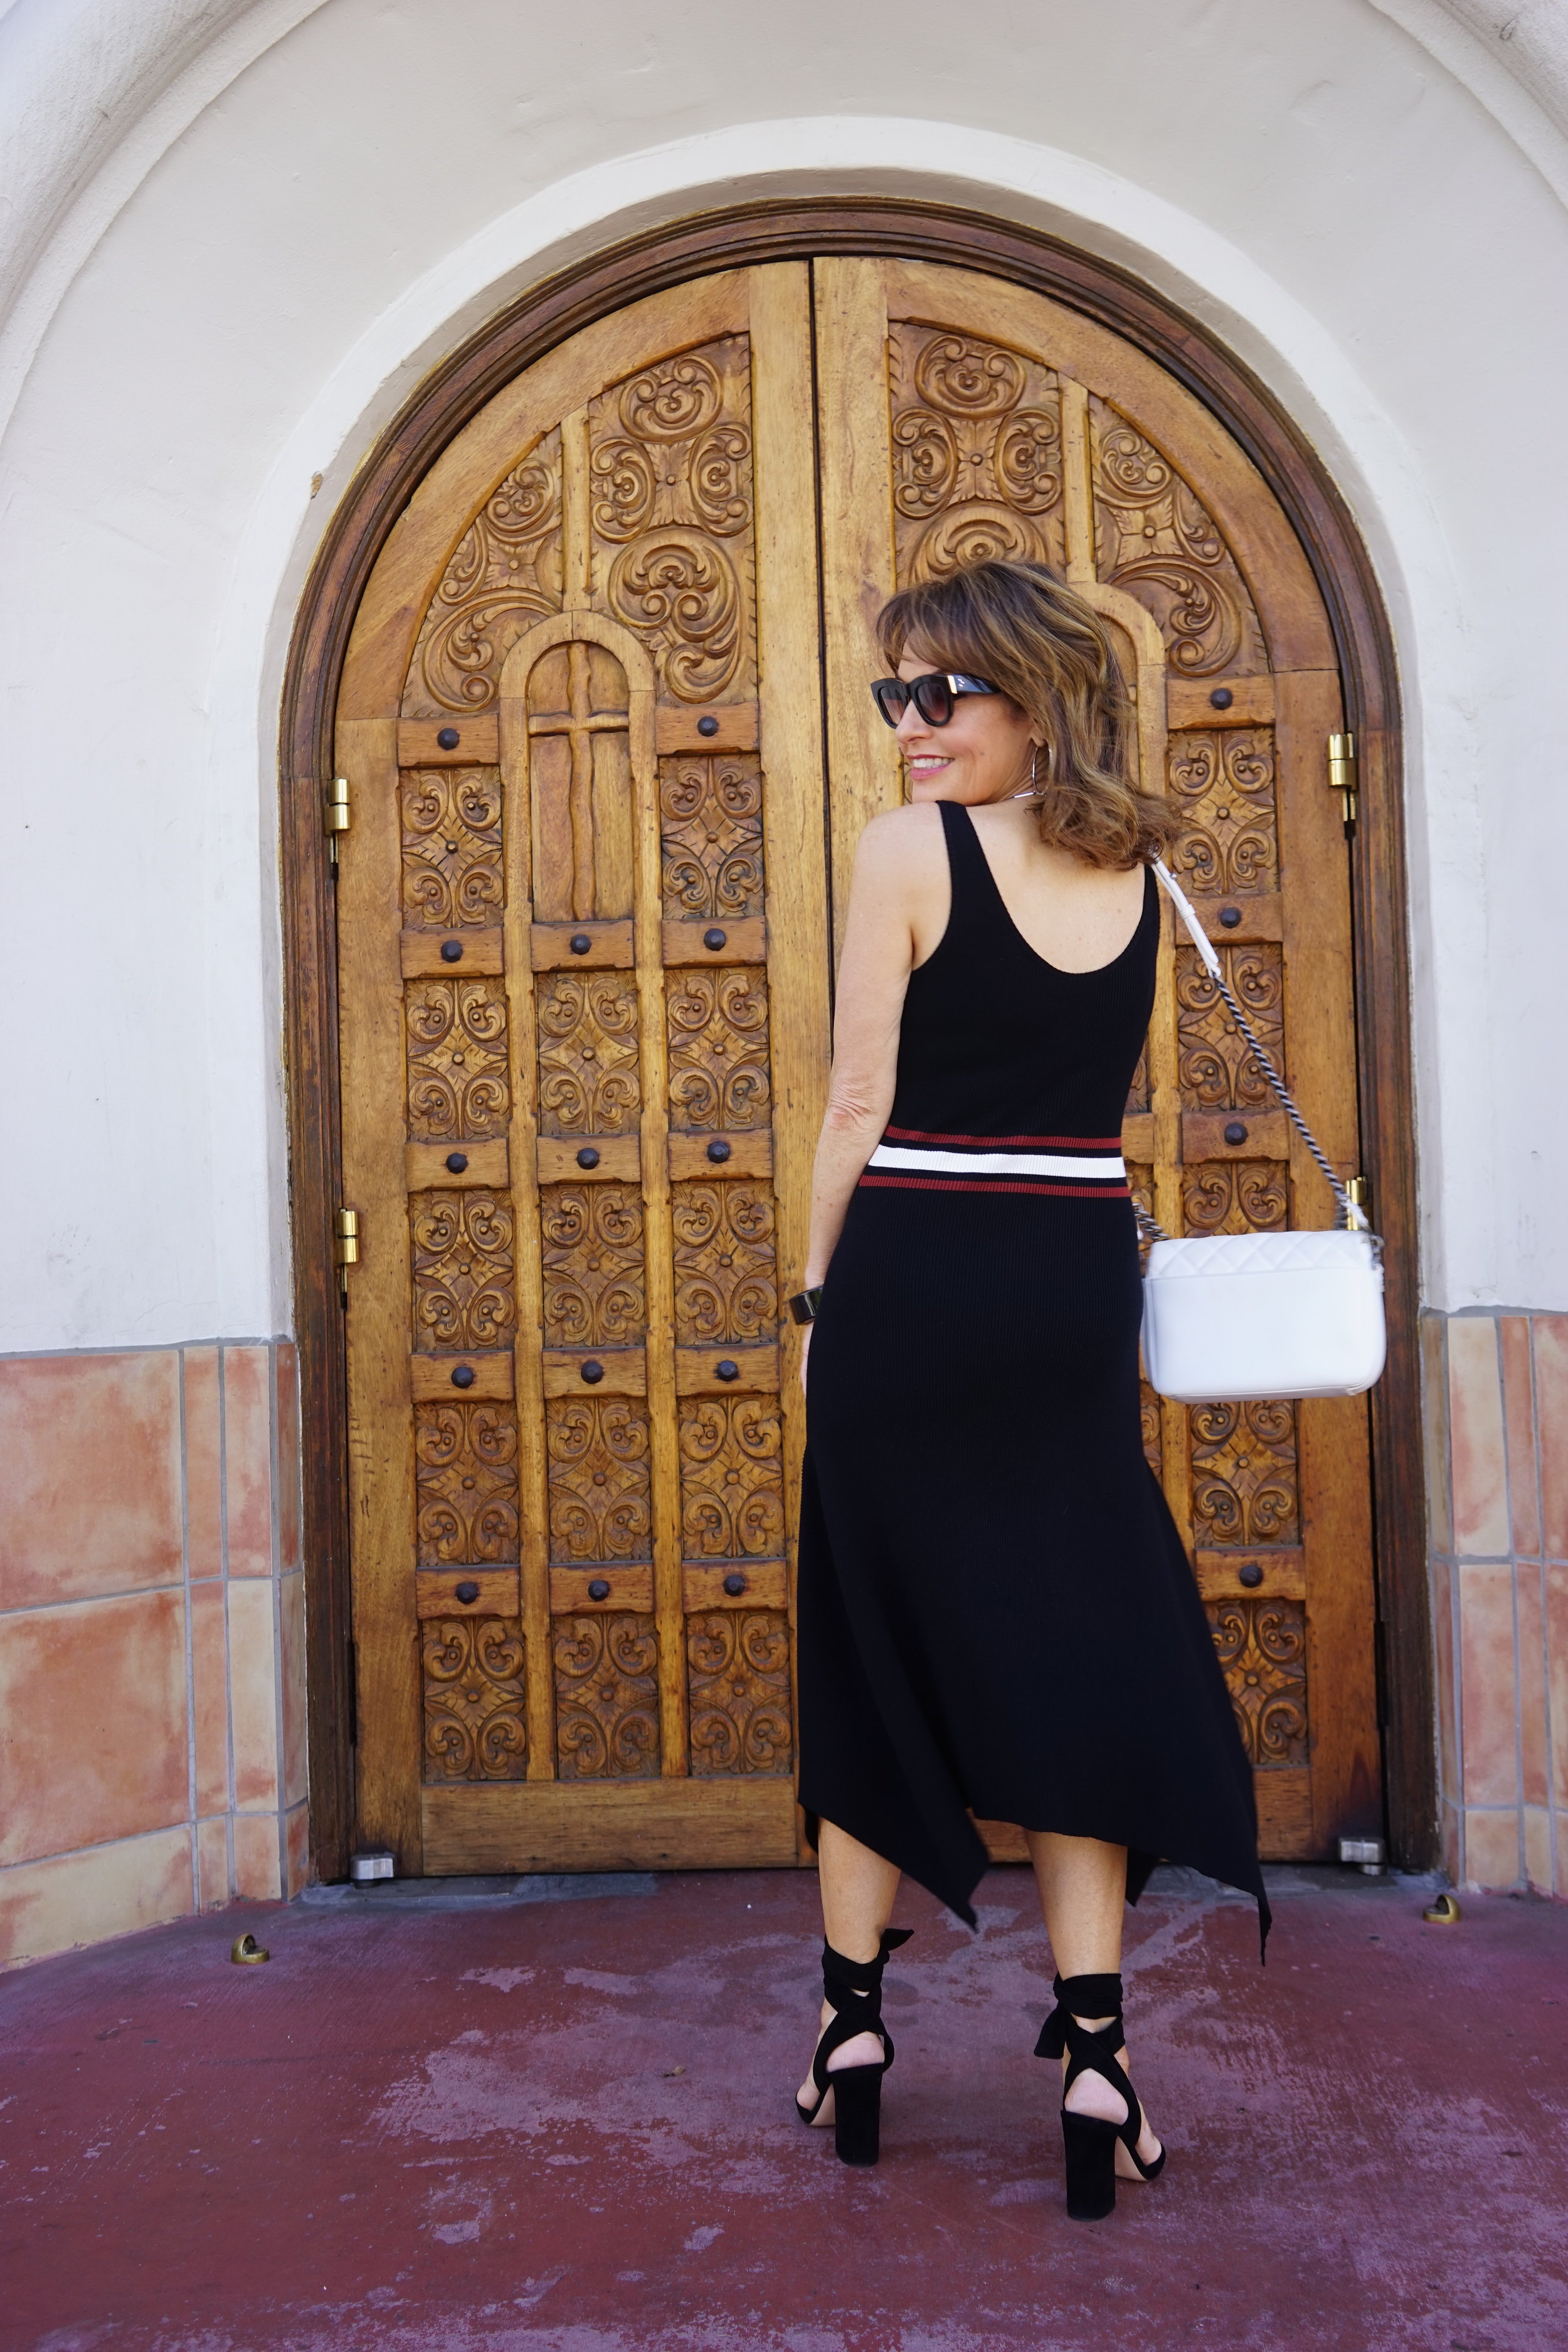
[276, 1538]
[191, 1803]
[1553, 1841]
[1455, 1620]
[223, 1573]
[1520, 1863]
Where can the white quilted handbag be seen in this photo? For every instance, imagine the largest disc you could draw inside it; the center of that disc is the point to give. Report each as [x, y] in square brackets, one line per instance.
[1231, 1315]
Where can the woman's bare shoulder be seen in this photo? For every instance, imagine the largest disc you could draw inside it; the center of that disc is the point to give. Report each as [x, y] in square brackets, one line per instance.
[900, 839]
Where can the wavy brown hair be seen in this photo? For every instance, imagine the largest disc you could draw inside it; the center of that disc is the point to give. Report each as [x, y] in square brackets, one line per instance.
[1022, 629]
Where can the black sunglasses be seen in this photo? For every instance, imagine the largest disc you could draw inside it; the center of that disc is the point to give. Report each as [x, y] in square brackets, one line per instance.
[933, 696]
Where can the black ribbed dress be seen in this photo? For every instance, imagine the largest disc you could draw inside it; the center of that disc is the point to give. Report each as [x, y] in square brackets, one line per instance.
[996, 1616]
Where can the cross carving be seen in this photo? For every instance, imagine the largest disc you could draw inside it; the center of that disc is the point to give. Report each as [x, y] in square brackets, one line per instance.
[580, 722]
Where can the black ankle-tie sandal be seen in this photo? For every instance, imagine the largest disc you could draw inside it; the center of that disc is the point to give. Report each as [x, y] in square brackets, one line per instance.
[855, 1989]
[1089, 2141]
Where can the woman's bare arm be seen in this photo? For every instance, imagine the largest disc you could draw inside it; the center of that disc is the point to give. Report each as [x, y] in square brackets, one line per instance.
[900, 869]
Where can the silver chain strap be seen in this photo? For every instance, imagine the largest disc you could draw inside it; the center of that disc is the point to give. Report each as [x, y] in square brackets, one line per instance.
[1349, 1218]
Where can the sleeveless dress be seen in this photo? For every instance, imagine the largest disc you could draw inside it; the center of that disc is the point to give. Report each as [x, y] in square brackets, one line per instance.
[996, 1615]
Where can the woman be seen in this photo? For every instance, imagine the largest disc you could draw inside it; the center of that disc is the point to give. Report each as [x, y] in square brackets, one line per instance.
[996, 1615]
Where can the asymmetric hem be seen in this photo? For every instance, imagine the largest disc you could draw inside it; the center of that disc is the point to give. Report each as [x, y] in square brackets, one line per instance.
[997, 1619]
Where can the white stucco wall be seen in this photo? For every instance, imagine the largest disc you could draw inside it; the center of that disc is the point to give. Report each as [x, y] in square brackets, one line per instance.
[293, 208]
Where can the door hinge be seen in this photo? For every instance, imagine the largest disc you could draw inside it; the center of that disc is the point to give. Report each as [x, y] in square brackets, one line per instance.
[337, 812]
[345, 1244]
[1358, 1191]
[1342, 777]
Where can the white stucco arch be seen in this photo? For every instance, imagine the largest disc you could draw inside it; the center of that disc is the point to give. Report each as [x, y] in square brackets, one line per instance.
[247, 165]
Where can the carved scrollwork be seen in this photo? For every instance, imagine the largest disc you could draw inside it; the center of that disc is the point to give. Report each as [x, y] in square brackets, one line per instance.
[1223, 782]
[606, 1696]
[599, 1488]
[465, 1470]
[463, 1270]
[475, 1723]
[458, 1088]
[710, 830]
[682, 595]
[968, 378]
[593, 1286]
[1149, 1425]
[718, 1024]
[588, 1080]
[1155, 539]
[1234, 1196]
[1138, 1092]
[671, 509]
[1244, 1473]
[673, 400]
[1218, 1069]
[726, 1275]
[976, 438]
[737, 1666]
[452, 877]
[925, 463]
[731, 1488]
[1262, 1651]
[505, 576]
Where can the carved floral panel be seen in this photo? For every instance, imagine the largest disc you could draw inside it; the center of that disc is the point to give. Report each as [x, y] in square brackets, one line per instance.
[598, 1479]
[1234, 1196]
[1262, 1651]
[465, 1477]
[452, 877]
[457, 1087]
[731, 1485]
[475, 1721]
[1217, 1067]
[607, 1695]
[670, 515]
[463, 1269]
[1154, 539]
[718, 1024]
[977, 456]
[1222, 782]
[711, 831]
[505, 576]
[588, 1080]
[1138, 1092]
[1244, 1473]
[737, 1668]
[1149, 1425]
[593, 1288]
[726, 1280]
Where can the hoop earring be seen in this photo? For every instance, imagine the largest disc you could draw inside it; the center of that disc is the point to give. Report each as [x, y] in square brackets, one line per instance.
[1031, 790]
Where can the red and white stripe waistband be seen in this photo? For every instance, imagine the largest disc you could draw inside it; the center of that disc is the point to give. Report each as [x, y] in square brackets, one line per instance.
[1082, 1165]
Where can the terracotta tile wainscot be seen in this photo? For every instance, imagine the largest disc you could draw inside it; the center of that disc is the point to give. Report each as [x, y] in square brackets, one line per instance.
[152, 1638]
[1497, 1453]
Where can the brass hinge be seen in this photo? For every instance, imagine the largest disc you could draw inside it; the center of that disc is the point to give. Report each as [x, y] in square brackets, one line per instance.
[345, 1244]
[337, 812]
[1358, 1191]
[1343, 776]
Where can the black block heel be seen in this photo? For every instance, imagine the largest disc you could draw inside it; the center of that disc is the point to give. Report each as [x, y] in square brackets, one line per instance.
[1089, 2141]
[857, 2114]
[853, 1988]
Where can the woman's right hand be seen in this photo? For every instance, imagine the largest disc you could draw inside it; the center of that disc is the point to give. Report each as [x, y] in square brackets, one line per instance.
[805, 1354]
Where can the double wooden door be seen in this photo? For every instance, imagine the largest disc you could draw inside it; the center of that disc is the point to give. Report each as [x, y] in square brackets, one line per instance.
[608, 747]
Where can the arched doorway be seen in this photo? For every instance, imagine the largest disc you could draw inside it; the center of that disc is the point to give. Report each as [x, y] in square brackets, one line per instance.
[602, 722]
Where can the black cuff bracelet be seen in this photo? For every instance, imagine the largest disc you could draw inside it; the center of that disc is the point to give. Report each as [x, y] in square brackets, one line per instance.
[803, 1307]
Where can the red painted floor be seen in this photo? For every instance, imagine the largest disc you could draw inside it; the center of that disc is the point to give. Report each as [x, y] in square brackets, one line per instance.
[565, 2124]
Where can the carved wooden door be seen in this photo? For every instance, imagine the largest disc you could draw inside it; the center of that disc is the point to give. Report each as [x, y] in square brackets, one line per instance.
[584, 1046]
[961, 416]
[583, 978]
